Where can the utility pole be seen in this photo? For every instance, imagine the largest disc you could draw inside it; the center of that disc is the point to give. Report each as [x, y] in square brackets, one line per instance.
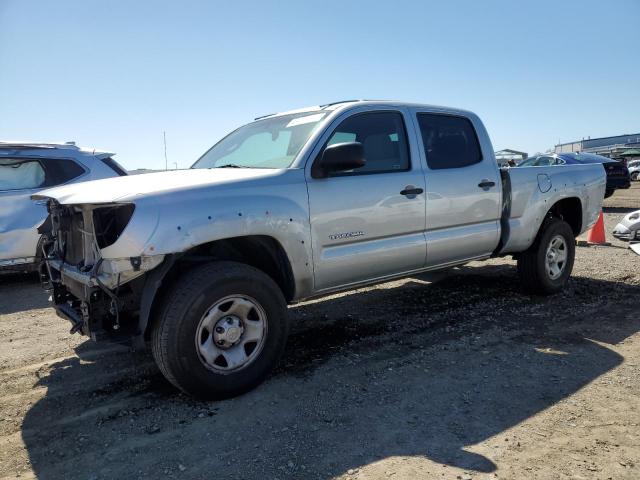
[166, 163]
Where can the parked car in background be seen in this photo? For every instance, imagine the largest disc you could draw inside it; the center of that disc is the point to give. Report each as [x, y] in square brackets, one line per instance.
[629, 227]
[634, 170]
[27, 168]
[617, 172]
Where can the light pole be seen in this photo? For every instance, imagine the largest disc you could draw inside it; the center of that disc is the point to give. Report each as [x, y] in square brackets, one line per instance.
[164, 138]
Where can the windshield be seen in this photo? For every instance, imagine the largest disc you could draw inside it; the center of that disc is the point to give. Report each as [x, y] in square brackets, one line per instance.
[270, 143]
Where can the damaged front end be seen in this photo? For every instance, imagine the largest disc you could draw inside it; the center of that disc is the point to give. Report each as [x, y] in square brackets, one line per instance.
[100, 296]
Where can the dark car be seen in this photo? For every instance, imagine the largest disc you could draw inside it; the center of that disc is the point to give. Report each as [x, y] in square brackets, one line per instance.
[617, 172]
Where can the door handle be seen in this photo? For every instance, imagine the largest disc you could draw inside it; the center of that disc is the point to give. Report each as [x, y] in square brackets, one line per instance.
[486, 184]
[410, 190]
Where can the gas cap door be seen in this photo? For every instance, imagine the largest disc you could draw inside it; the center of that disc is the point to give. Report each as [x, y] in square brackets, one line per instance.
[544, 182]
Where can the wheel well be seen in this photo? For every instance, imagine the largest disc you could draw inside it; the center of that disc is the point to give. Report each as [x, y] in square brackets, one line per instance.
[569, 210]
[260, 251]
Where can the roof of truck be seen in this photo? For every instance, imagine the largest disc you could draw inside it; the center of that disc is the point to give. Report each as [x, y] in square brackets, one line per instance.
[342, 103]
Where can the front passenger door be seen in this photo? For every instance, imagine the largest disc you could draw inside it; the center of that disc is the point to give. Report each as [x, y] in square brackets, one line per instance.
[369, 223]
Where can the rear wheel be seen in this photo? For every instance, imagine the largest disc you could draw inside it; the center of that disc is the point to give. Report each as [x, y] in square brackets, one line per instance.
[608, 193]
[546, 266]
[634, 176]
[222, 330]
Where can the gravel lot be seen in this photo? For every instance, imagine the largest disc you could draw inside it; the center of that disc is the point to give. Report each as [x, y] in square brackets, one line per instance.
[457, 375]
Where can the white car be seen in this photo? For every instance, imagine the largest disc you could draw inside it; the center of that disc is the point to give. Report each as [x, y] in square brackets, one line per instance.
[629, 227]
[26, 169]
[634, 170]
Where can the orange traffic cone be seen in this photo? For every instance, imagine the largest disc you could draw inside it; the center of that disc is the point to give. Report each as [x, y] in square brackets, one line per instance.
[596, 233]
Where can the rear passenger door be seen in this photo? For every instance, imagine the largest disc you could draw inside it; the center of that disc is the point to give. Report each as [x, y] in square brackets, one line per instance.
[463, 190]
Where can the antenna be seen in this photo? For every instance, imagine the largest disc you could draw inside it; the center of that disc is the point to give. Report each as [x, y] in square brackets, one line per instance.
[166, 163]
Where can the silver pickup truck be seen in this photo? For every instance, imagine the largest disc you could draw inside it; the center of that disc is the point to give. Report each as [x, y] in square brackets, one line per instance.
[201, 263]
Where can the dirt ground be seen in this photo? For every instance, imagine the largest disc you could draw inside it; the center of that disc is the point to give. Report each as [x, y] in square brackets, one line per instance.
[456, 376]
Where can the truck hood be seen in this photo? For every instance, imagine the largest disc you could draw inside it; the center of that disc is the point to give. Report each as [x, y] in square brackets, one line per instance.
[123, 189]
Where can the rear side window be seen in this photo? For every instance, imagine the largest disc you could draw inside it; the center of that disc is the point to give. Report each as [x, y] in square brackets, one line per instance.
[545, 161]
[529, 162]
[20, 174]
[449, 141]
[60, 170]
[383, 138]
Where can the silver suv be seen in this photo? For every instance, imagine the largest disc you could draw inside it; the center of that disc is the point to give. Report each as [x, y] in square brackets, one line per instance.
[26, 169]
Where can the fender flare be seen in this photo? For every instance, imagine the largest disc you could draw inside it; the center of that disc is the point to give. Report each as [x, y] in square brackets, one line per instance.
[152, 284]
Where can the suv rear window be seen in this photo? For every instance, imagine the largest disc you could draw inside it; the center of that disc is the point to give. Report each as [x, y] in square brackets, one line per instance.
[449, 141]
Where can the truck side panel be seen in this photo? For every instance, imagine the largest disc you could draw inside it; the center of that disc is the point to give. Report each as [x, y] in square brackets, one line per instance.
[535, 190]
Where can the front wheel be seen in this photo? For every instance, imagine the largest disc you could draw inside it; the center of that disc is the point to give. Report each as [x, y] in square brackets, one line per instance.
[546, 266]
[222, 330]
[634, 176]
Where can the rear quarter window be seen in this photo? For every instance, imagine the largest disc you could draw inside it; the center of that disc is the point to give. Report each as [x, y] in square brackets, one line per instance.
[60, 170]
[115, 166]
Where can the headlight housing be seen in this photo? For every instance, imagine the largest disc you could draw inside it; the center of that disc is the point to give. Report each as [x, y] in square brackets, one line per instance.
[110, 221]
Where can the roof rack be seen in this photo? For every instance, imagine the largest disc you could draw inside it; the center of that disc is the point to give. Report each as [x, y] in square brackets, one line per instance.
[34, 145]
[321, 107]
[264, 116]
[341, 101]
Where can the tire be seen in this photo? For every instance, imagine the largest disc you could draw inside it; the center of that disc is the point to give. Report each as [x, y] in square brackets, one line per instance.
[191, 318]
[608, 193]
[634, 176]
[532, 264]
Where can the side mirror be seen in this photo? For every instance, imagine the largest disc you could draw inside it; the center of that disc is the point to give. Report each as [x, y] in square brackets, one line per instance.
[340, 157]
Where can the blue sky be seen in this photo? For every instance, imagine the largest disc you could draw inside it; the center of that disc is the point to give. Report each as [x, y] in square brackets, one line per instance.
[116, 74]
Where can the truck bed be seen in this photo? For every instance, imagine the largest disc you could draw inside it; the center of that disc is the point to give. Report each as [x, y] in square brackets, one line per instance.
[529, 193]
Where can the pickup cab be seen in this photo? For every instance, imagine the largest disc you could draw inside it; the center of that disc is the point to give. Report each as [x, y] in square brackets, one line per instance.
[201, 263]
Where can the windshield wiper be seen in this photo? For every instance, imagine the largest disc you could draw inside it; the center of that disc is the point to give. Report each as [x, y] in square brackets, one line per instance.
[232, 165]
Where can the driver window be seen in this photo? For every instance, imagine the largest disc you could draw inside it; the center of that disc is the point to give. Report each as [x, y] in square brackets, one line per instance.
[383, 137]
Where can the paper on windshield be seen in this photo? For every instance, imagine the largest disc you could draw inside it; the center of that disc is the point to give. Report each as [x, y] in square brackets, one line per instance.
[306, 119]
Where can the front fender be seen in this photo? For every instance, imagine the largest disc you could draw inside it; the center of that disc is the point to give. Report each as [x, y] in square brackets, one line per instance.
[172, 224]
